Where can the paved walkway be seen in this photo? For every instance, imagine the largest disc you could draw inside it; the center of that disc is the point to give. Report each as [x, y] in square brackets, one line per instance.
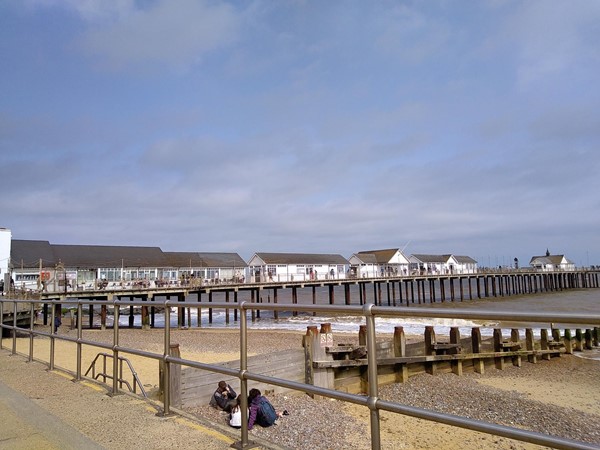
[47, 410]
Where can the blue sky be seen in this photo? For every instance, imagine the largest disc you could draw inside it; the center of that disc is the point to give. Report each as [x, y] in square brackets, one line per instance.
[295, 126]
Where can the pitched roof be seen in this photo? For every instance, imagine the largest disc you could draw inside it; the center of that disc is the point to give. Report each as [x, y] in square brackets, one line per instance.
[95, 256]
[301, 258]
[197, 259]
[432, 258]
[464, 259]
[550, 259]
[377, 256]
[28, 253]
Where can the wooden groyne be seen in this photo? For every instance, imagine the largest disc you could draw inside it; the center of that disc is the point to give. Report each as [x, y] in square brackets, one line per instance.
[344, 366]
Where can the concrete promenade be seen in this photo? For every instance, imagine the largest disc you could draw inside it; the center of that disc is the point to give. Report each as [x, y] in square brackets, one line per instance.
[47, 410]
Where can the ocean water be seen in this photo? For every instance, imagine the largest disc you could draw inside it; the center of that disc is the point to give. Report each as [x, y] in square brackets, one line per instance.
[581, 301]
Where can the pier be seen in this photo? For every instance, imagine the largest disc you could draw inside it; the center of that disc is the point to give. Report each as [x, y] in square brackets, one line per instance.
[383, 291]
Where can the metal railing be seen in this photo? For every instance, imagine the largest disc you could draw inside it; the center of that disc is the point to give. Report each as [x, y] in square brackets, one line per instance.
[122, 381]
[371, 401]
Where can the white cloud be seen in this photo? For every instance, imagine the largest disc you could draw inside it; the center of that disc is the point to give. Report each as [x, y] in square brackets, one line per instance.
[173, 34]
[553, 37]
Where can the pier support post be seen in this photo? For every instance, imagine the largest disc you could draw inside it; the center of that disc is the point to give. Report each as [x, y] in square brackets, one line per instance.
[103, 317]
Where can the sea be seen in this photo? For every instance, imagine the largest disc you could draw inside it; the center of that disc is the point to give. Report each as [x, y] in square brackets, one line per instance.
[579, 301]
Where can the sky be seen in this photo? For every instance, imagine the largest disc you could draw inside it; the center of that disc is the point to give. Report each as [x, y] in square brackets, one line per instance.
[436, 127]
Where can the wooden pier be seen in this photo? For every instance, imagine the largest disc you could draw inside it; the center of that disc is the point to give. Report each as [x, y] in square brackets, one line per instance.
[384, 291]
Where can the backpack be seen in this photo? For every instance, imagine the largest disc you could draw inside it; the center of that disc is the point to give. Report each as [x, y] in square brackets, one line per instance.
[266, 413]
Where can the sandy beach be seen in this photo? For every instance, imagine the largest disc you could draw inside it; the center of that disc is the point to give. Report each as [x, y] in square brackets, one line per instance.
[558, 397]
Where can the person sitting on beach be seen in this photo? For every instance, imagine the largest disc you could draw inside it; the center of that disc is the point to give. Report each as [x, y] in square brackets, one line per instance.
[261, 410]
[224, 397]
[235, 418]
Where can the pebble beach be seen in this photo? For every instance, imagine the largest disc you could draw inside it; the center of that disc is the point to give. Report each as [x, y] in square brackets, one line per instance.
[558, 397]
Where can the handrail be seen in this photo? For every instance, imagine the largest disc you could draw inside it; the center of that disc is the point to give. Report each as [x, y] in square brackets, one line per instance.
[104, 375]
[369, 311]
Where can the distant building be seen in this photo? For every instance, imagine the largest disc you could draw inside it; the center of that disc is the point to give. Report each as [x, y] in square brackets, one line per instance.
[465, 264]
[5, 238]
[42, 265]
[551, 263]
[379, 263]
[209, 266]
[441, 264]
[265, 267]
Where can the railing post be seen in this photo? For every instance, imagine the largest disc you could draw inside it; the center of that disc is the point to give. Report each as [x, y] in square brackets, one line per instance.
[373, 389]
[167, 370]
[243, 369]
[116, 314]
[31, 316]
[79, 336]
[14, 329]
[52, 338]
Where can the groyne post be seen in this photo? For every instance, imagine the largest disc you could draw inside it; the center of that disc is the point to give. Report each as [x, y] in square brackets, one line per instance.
[399, 352]
[544, 342]
[430, 367]
[322, 377]
[498, 360]
[478, 364]
[529, 345]
[515, 339]
[578, 340]
[308, 342]
[588, 339]
[568, 342]
[457, 365]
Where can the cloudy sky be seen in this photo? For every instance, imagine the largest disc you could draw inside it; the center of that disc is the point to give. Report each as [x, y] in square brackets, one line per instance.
[458, 127]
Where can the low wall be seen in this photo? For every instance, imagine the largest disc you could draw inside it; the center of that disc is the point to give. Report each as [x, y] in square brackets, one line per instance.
[197, 386]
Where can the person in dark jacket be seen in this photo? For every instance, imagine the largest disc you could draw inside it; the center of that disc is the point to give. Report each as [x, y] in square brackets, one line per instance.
[265, 416]
[224, 397]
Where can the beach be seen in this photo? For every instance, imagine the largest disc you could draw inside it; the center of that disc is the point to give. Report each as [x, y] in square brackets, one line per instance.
[558, 397]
